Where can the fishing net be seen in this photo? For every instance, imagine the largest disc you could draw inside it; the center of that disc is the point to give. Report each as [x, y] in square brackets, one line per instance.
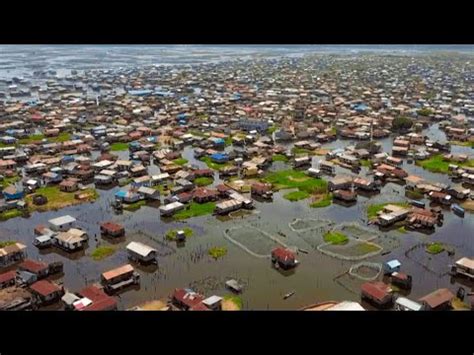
[253, 240]
[433, 263]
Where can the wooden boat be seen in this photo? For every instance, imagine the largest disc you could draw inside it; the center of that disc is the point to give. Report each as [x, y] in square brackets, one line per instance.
[288, 295]
[458, 210]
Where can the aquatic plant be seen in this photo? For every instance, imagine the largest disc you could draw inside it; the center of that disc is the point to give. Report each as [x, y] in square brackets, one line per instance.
[435, 248]
[203, 181]
[335, 238]
[279, 157]
[171, 234]
[102, 253]
[296, 196]
[6, 243]
[116, 147]
[217, 252]
[180, 161]
[322, 201]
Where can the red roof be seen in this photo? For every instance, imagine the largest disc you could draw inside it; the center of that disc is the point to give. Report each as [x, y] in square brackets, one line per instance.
[7, 276]
[375, 289]
[112, 227]
[190, 299]
[199, 307]
[100, 300]
[33, 266]
[202, 192]
[44, 287]
[283, 254]
[200, 172]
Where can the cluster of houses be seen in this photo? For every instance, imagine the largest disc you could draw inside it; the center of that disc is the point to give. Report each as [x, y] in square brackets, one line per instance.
[236, 121]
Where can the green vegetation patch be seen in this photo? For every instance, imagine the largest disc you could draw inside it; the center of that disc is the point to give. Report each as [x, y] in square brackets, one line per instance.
[366, 162]
[180, 161]
[366, 248]
[195, 210]
[7, 181]
[462, 144]
[131, 207]
[118, 146]
[236, 300]
[203, 181]
[61, 137]
[293, 179]
[373, 210]
[272, 129]
[296, 195]
[335, 238]
[217, 252]
[212, 165]
[59, 199]
[32, 139]
[10, 214]
[435, 164]
[402, 230]
[6, 243]
[322, 201]
[435, 248]
[414, 194]
[228, 141]
[298, 150]
[425, 112]
[171, 234]
[280, 157]
[102, 253]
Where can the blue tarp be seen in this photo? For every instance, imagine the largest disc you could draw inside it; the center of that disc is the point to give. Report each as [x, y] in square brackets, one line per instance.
[121, 194]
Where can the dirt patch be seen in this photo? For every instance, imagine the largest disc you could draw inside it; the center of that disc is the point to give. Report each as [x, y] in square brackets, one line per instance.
[229, 305]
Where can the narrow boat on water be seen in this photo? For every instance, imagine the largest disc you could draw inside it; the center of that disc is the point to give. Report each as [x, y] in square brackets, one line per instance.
[458, 210]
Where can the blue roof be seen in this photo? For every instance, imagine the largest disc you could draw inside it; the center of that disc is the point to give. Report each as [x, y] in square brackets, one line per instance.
[140, 92]
[219, 156]
[218, 140]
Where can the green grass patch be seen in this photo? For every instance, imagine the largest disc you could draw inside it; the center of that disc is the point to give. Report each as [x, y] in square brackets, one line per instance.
[7, 181]
[335, 237]
[203, 181]
[373, 210]
[217, 252]
[171, 234]
[61, 137]
[102, 252]
[280, 157]
[296, 195]
[195, 210]
[7, 243]
[180, 161]
[435, 164]
[298, 150]
[58, 199]
[366, 248]
[366, 162]
[414, 194]
[4, 145]
[293, 179]
[212, 165]
[272, 129]
[228, 141]
[125, 182]
[10, 214]
[118, 146]
[324, 201]
[32, 139]
[131, 207]
[402, 230]
[434, 248]
[462, 144]
[236, 300]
